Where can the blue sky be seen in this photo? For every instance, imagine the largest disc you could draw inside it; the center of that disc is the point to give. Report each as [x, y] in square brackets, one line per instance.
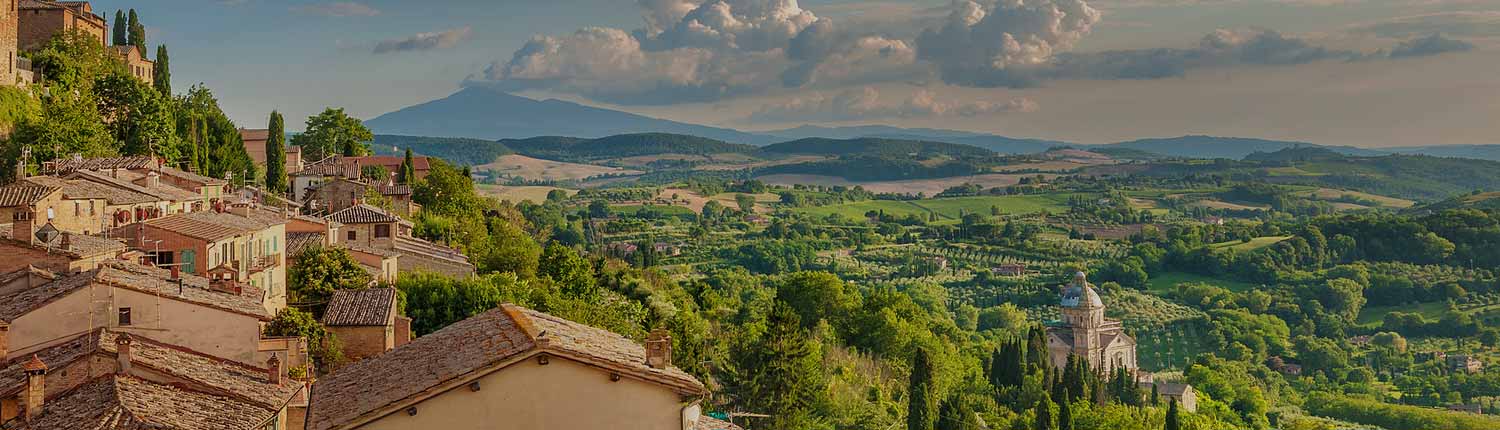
[1357, 72]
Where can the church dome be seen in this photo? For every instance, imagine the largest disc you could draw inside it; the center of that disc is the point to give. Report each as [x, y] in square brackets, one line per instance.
[1080, 294]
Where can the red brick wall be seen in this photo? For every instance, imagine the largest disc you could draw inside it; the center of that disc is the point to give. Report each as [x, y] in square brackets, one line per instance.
[38, 26]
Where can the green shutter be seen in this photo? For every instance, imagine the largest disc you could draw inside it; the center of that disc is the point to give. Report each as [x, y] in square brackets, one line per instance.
[189, 261]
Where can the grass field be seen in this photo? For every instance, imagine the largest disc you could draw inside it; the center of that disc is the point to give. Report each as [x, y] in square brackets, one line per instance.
[1390, 202]
[632, 210]
[1165, 282]
[1253, 244]
[1372, 315]
[949, 208]
[547, 170]
[535, 194]
[911, 186]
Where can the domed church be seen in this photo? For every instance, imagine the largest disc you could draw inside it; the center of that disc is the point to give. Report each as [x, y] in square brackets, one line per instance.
[1085, 332]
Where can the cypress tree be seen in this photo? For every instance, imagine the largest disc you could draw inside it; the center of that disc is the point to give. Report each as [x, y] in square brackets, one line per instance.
[1044, 419]
[1036, 349]
[783, 371]
[919, 393]
[161, 76]
[408, 172]
[276, 154]
[955, 414]
[118, 36]
[1155, 396]
[137, 32]
[1174, 422]
[1065, 412]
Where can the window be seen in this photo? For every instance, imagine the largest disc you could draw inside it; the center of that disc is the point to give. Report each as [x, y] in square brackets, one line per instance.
[124, 316]
[352, 235]
[382, 230]
[77, 208]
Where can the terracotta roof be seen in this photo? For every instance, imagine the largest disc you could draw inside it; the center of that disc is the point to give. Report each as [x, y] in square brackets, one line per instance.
[67, 165]
[366, 307]
[23, 194]
[122, 402]
[124, 180]
[27, 271]
[136, 277]
[393, 189]
[241, 381]
[85, 189]
[706, 422]
[297, 241]
[417, 162]
[211, 225]
[456, 352]
[362, 214]
[35, 364]
[79, 245]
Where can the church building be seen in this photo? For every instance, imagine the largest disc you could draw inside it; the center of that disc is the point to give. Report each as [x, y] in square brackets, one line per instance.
[1085, 332]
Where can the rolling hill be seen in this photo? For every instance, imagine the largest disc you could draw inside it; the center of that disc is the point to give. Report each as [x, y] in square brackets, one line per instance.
[869, 146]
[624, 145]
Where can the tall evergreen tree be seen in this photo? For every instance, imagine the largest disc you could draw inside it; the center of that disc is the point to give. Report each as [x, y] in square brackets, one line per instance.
[1036, 349]
[408, 172]
[956, 414]
[136, 32]
[276, 154]
[118, 37]
[161, 76]
[781, 371]
[1155, 396]
[1065, 411]
[919, 406]
[1044, 419]
[1174, 422]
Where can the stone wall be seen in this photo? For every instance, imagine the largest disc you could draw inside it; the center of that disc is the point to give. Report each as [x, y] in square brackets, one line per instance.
[361, 342]
[9, 42]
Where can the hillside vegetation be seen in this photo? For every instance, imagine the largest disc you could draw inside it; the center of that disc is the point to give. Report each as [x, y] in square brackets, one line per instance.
[624, 145]
[875, 147]
[459, 150]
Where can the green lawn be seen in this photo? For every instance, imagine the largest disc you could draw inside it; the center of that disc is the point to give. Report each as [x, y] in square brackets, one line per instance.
[1253, 244]
[947, 208]
[1373, 315]
[1165, 282]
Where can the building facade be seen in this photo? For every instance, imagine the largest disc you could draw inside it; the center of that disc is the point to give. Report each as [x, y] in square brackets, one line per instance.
[42, 19]
[1086, 333]
[10, 44]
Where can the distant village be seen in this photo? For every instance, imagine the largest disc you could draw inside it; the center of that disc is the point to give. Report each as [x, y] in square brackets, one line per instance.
[135, 294]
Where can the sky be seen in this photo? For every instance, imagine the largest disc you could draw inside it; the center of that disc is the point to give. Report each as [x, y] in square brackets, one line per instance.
[1370, 73]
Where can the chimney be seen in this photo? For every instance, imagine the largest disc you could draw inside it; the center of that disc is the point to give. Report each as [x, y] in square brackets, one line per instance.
[153, 179]
[273, 370]
[36, 387]
[176, 272]
[21, 163]
[659, 349]
[4, 341]
[24, 228]
[66, 241]
[122, 352]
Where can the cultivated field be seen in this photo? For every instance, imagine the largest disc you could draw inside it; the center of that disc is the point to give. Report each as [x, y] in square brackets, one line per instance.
[949, 208]
[548, 170]
[691, 200]
[535, 194]
[928, 186]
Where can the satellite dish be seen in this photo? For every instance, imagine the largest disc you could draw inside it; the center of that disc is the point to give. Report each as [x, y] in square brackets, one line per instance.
[47, 233]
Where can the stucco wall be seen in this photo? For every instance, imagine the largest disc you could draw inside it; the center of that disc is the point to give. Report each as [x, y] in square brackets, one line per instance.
[361, 342]
[207, 330]
[560, 395]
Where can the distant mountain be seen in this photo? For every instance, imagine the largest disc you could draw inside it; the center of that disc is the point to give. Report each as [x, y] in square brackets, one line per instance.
[457, 150]
[625, 145]
[483, 113]
[871, 146]
[1226, 147]
[1479, 152]
[1001, 144]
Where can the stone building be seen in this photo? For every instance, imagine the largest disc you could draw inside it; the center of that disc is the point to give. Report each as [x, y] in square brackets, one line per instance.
[41, 19]
[185, 310]
[244, 243]
[1183, 394]
[108, 379]
[1086, 333]
[366, 227]
[513, 367]
[136, 62]
[365, 322]
[10, 47]
[64, 253]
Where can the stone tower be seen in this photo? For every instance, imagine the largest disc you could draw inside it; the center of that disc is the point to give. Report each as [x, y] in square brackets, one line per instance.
[1085, 332]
